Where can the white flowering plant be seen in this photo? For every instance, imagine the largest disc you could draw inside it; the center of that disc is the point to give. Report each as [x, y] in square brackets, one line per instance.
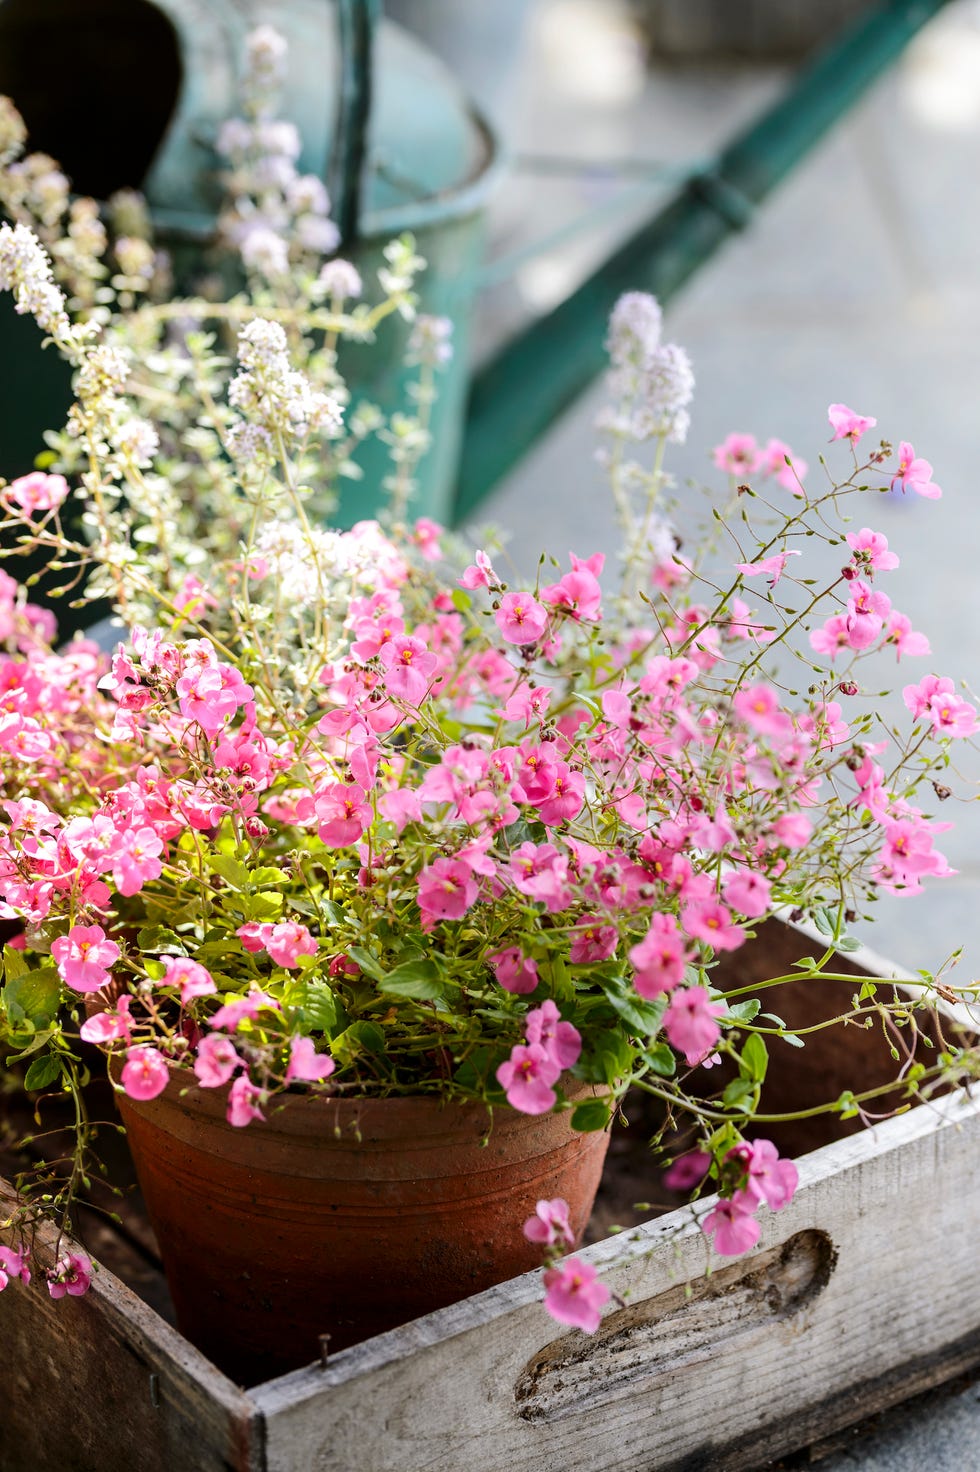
[337, 815]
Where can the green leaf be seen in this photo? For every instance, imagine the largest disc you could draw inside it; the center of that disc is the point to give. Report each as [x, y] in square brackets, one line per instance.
[262, 906]
[755, 1058]
[268, 875]
[848, 943]
[461, 600]
[661, 1059]
[591, 1114]
[359, 1038]
[369, 964]
[792, 1039]
[418, 981]
[642, 1017]
[333, 912]
[610, 1058]
[158, 938]
[824, 921]
[43, 1071]
[318, 1006]
[15, 963]
[231, 871]
[744, 1011]
[34, 996]
[28, 1047]
[739, 1094]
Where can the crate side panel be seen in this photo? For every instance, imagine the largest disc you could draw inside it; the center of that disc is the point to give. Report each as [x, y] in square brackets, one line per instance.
[101, 1381]
[862, 1282]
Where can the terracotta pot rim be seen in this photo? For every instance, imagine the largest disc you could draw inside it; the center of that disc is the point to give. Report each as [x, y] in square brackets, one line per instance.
[363, 1120]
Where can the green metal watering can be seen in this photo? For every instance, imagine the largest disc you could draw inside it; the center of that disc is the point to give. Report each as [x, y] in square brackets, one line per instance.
[142, 88]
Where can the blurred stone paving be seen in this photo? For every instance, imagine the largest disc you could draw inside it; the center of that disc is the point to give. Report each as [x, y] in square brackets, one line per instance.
[859, 282]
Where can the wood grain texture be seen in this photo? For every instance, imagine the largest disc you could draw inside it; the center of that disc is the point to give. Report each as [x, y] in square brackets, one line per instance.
[102, 1384]
[900, 1205]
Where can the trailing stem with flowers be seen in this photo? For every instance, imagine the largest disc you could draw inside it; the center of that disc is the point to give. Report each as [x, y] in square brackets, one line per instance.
[339, 816]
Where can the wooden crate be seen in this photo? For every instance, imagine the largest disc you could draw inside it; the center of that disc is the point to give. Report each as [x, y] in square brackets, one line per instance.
[858, 1295]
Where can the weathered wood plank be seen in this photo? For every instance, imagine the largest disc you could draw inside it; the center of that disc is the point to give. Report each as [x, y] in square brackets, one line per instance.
[758, 1368]
[101, 1382]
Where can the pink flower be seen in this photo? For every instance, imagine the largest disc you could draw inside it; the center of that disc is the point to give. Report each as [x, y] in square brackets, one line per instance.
[232, 1013]
[549, 1224]
[528, 703]
[109, 1026]
[343, 813]
[560, 1040]
[871, 552]
[767, 1178]
[758, 706]
[919, 697]
[770, 567]
[748, 893]
[14, 1265]
[739, 455]
[207, 699]
[690, 1025]
[660, 958]
[712, 922]
[193, 597]
[899, 631]
[735, 1229]
[137, 860]
[401, 806]
[913, 474]
[565, 796]
[687, 1171]
[848, 425]
[792, 830]
[578, 592]
[306, 1064]
[36, 492]
[83, 956]
[145, 1073]
[774, 458]
[574, 1295]
[426, 538]
[216, 1061]
[289, 940]
[71, 1274]
[193, 979]
[951, 716]
[832, 636]
[480, 574]
[447, 889]
[409, 668]
[253, 936]
[242, 1106]
[592, 942]
[521, 618]
[527, 1077]
[515, 972]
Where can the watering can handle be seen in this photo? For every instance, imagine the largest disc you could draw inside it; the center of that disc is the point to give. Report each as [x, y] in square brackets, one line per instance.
[358, 23]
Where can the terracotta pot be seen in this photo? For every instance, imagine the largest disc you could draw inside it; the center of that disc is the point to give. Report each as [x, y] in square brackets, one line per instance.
[341, 1217]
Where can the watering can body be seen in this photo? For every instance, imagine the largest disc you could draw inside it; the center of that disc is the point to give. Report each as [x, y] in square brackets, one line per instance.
[426, 165]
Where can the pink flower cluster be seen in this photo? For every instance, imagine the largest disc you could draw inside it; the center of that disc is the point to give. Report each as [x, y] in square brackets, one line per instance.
[573, 1293]
[760, 1178]
[741, 456]
[550, 1047]
[868, 620]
